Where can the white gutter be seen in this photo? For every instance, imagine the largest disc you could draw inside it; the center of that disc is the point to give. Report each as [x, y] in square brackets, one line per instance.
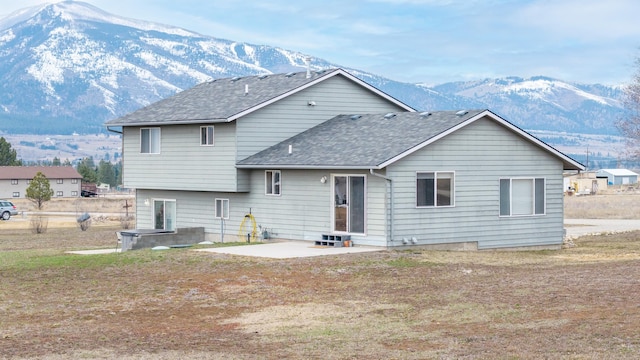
[390, 239]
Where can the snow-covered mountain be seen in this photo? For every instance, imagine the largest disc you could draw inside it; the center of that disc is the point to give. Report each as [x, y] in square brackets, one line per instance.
[543, 103]
[69, 67]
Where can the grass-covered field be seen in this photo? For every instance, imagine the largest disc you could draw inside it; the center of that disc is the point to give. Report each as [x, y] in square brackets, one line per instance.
[577, 303]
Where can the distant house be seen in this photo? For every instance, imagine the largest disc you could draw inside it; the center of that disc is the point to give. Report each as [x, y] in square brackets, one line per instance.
[618, 176]
[584, 183]
[325, 155]
[65, 181]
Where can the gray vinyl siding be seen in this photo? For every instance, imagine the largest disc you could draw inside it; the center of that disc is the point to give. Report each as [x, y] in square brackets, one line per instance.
[291, 116]
[182, 164]
[185, 165]
[480, 155]
[302, 212]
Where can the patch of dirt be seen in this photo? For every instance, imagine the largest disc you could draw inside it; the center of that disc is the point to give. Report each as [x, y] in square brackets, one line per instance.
[580, 302]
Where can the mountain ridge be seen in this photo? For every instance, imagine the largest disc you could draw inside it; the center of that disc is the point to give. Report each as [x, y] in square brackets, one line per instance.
[70, 66]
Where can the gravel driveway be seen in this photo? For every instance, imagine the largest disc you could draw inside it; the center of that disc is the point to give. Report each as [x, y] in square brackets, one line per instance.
[580, 227]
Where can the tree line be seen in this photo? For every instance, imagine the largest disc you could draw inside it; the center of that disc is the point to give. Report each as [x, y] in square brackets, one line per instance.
[103, 173]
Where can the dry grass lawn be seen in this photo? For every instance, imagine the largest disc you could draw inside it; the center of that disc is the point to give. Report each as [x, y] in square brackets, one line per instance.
[577, 303]
[620, 205]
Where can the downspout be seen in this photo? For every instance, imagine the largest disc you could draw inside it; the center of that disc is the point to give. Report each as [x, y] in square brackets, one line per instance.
[390, 239]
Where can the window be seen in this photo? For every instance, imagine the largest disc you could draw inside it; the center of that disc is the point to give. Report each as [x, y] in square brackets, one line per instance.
[272, 182]
[150, 140]
[522, 197]
[206, 135]
[434, 189]
[74, 193]
[164, 214]
[59, 193]
[74, 181]
[16, 194]
[14, 181]
[222, 209]
[59, 181]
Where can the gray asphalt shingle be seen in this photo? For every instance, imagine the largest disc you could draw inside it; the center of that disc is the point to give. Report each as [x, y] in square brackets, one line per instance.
[362, 141]
[219, 100]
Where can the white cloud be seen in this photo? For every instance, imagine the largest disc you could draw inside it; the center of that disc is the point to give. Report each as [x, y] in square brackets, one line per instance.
[582, 19]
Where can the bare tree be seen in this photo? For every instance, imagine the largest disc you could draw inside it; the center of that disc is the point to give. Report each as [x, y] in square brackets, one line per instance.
[629, 126]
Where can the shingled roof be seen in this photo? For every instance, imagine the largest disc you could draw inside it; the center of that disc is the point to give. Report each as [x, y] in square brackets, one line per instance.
[225, 100]
[374, 141]
[29, 172]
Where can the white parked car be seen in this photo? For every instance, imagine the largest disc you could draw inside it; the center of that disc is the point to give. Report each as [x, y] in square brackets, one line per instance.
[7, 209]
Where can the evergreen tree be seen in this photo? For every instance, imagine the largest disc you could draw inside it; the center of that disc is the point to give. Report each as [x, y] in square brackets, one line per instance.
[39, 190]
[118, 169]
[55, 162]
[8, 156]
[88, 170]
[106, 173]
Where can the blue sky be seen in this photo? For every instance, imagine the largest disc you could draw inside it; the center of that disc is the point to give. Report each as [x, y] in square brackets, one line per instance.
[428, 41]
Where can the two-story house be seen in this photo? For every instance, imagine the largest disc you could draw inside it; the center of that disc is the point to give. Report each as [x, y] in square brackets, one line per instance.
[65, 181]
[308, 155]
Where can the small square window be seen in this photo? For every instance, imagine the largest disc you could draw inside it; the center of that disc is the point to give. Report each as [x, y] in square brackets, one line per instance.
[434, 189]
[273, 182]
[206, 135]
[59, 181]
[74, 193]
[150, 140]
[74, 181]
[59, 193]
[222, 209]
[16, 194]
[14, 181]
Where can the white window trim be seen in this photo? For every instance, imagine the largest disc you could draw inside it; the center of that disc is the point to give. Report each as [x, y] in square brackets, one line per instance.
[269, 187]
[151, 147]
[224, 207]
[533, 179]
[59, 181]
[208, 142]
[14, 181]
[59, 194]
[365, 204]
[435, 185]
[164, 220]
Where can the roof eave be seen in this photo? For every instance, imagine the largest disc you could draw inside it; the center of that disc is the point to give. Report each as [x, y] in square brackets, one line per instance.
[308, 167]
[170, 122]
